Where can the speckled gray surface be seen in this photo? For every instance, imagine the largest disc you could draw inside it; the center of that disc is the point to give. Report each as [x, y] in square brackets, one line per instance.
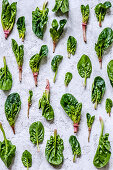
[61, 122]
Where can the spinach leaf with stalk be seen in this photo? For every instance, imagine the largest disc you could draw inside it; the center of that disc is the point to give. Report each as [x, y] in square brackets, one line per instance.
[108, 106]
[110, 71]
[54, 149]
[8, 16]
[26, 159]
[19, 53]
[55, 64]
[35, 61]
[103, 153]
[105, 39]
[12, 109]
[29, 101]
[21, 27]
[100, 11]
[56, 32]
[76, 149]
[71, 46]
[36, 132]
[72, 109]
[85, 17]
[84, 67]
[98, 90]
[68, 78]
[39, 20]
[62, 5]
[7, 150]
[44, 103]
[90, 120]
[5, 77]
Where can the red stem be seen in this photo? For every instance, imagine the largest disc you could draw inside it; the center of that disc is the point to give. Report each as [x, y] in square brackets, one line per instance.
[89, 130]
[6, 32]
[47, 88]
[13, 128]
[35, 75]
[20, 73]
[84, 31]
[75, 127]
[100, 61]
[54, 46]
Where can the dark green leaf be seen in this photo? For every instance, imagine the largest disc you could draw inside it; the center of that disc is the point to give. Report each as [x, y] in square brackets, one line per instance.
[98, 90]
[68, 78]
[71, 45]
[36, 132]
[27, 159]
[54, 149]
[85, 13]
[21, 27]
[5, 77]
[108, 106]
[110, 71]
[90, 120]
[62, 5]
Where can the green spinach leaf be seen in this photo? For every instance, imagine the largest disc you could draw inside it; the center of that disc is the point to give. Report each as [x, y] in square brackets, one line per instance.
[55, 64]
[110, 71]
[85, 17]
[54, 149]
[76, 149]
[39, 20]
[98, 90]
[8, 16]
[103, 153]
[36, 132]
[21, 27]
[71, 46]
[35, 61]
[62, 5]
[5, 77]
[108, 106]
[12, 108]
[105, 39]
[56, 32]
[27, 159]
[90, 120]
[68, 78]
[29, 101]
[100, 11]
[44, 103]
[84, 67]
[72, 109]
[19, 53]
[7, 150]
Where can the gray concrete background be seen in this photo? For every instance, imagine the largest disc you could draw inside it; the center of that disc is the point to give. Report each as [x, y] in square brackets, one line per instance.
[61, 122]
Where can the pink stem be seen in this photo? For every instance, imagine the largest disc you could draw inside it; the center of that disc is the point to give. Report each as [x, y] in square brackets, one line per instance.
[35, 75]
[6, 32]
[75, 127]
[47, 88]
[100, 61]
[20, 73]
[84, 31]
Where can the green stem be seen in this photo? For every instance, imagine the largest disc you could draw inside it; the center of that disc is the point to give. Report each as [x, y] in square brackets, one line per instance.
[55, 135]
[95, 106]
[69, 55]
[74, 158]
[55, 77]
[44, 5]
[85, 80]
[4, 60]
[27, 166]
[102, 126]
[100, 20]
[1, 127]
[38, 146]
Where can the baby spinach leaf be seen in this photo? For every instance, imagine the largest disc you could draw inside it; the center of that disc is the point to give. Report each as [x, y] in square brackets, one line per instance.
[44, 103]
[68, 78]
[8, 16]
[84, 67]
[85, 17]
[19, 53]
[29, 101]
[100, 11]
[62, 5]
[76, 149]
[108, 106]
[90, 120]
[27, 159]
[71, 46]
[39, 20]
[36, 132]
[56, 32]
[54, 149]
[110, 71]
[5, 77]
[55, 64]
[105, 39]
[72, 109]
[7, 150]
[103, 153]
[35, 61]
[12, 109]
[98, 90]
[21, 27]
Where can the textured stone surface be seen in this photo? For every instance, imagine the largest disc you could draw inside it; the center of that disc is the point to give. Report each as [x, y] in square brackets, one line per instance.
[62, 123]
